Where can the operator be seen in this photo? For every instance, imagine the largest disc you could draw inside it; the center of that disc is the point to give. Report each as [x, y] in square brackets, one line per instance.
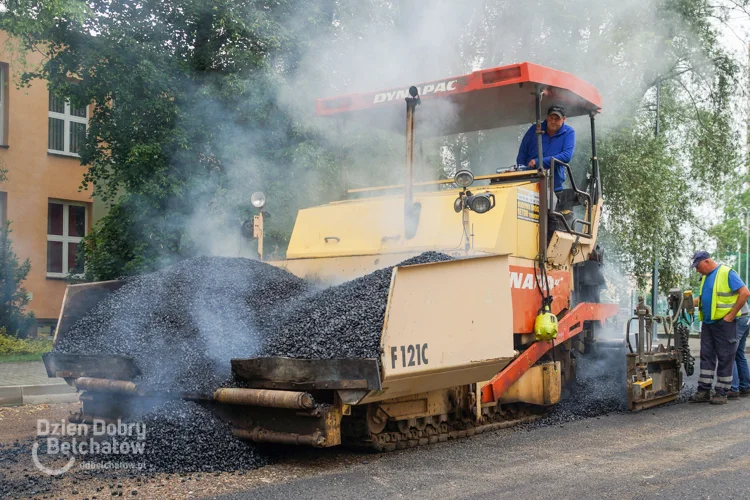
[721, 297]
[558, 141]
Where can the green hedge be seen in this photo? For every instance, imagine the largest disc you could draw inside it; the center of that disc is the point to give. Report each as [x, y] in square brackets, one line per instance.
[12, 346]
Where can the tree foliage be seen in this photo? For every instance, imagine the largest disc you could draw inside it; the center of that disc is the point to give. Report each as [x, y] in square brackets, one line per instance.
[635, 218]
[13, 297]
[654, 188]
[186, 116]
[198, 104]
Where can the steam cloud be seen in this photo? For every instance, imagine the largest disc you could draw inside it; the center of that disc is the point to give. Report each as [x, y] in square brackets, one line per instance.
[393, 45]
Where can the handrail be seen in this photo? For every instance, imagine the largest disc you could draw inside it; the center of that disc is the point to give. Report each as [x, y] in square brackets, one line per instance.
[577, 192]
[569, 326]
[517, 176]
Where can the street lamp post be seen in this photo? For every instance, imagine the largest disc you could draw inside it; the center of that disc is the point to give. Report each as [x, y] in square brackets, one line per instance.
[655, 275]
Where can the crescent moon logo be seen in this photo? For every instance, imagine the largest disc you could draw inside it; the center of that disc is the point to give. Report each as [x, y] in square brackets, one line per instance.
[47, 470]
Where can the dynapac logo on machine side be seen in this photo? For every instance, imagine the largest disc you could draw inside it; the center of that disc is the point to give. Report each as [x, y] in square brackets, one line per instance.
[526, 281]
[430, 88]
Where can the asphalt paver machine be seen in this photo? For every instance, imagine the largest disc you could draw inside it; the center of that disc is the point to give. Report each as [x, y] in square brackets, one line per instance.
[514, 254]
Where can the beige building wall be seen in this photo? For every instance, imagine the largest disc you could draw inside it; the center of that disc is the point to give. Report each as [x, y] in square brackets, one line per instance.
[37, 177]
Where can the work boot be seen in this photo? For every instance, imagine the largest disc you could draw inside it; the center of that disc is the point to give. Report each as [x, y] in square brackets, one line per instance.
[719, 400]
[700, 397]
[733, 395]
[744, 393]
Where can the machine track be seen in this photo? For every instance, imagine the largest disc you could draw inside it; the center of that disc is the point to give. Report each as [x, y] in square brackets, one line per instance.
[402, 434]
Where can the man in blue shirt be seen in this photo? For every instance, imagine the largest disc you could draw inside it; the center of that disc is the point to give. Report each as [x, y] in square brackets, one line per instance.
[721, 298]
[558, 141]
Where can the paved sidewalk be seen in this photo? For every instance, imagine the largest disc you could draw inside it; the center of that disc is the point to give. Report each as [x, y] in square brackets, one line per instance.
[27, 383]
[26, 373]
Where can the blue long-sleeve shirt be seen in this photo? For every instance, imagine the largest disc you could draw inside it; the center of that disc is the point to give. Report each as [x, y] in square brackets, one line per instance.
[560, 146]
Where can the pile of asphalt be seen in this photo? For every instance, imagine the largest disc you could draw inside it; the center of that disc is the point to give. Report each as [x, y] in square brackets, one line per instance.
[600, 389]
[344, 321]
[184, 324]
[182, 436]
[18, 477]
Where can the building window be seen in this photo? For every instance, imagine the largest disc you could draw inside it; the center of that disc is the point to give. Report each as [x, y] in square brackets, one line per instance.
[3, 209]
[4, 103]
[66, 226]
[67, 127]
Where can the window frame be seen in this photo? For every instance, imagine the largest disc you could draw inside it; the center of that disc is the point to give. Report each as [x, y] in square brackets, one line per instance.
[3, 103]
[3, 209]
[67, 119]
[65, 238]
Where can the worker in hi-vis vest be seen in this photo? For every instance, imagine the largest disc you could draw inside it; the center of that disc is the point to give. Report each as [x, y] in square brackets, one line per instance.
[721, 297]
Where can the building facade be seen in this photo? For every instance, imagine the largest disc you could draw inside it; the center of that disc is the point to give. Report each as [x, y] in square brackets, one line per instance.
[49, 213]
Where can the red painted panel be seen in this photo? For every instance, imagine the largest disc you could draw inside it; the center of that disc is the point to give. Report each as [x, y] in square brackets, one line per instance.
[503, 76]
[570, 325]
[526, 297]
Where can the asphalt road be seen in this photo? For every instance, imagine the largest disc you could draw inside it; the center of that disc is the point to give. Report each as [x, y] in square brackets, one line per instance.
[680, 451]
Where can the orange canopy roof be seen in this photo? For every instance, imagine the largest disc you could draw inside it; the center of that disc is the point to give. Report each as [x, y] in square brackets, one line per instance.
[484, 99]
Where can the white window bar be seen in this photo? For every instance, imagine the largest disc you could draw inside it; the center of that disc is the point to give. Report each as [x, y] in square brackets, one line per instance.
[74, 124]
[66, 238]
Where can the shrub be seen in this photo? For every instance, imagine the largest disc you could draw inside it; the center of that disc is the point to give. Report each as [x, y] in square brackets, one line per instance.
[13, 296]
[11, 346]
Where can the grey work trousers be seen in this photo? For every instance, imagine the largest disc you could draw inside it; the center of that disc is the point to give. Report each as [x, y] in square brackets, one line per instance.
[718, 347]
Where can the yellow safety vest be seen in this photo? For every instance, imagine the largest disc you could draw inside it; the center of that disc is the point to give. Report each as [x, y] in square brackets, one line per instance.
[722, 299]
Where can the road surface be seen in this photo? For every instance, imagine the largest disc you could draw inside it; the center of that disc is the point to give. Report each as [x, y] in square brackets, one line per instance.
[680, 451]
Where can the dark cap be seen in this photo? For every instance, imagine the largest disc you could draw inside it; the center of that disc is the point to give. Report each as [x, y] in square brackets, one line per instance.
[556, 109]
[699, 257]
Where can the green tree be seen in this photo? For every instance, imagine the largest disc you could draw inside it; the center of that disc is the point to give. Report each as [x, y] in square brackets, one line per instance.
[13, 296]
[653, 188]
[198, 104]
[186, 120]
[730, 232]
[645, 193]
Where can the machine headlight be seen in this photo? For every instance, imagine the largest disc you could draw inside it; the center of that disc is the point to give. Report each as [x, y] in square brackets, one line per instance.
[464, 178]
[481, 203]
[458, 205]
[258, 199]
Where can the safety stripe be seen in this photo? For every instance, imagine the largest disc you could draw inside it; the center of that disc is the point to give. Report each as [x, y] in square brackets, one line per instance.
[725, 379]
[705, 380]
[721, 385]
[708, 372]
[724, 306]
[726, 294]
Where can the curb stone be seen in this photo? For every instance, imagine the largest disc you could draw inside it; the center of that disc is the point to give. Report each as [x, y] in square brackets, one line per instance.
[37, 394]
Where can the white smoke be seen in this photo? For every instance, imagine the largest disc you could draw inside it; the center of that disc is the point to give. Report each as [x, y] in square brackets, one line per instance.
[618, 46]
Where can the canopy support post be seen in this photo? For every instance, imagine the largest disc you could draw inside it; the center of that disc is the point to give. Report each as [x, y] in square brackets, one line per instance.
[411, 209]
[543, 179]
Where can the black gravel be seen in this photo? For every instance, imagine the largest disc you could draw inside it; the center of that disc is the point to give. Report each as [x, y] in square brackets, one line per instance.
[182, 436]
[600, 389]
[344, 321]
[27, 481]
[182, 325]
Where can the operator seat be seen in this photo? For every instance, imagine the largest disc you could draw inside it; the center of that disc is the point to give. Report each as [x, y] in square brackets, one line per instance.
[567, 200]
